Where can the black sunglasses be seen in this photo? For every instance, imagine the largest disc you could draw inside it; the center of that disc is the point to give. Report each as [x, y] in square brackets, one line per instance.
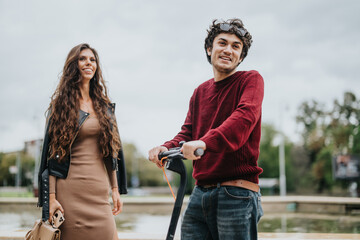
[226, 27]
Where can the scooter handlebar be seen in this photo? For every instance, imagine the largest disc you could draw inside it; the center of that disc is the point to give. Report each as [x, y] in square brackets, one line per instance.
[199, 152]
[176, 153]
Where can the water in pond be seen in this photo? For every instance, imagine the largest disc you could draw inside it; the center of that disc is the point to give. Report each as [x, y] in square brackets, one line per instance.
[309, 223]
[13, 219]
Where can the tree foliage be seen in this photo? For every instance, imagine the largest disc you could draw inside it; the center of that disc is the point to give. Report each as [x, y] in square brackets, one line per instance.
[139, 170]
[26, 170]
[329, 132]
[312, 117]
[269, 155]
[325, 132]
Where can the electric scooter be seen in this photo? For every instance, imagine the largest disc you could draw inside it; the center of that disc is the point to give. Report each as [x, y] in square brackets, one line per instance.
[173, 162]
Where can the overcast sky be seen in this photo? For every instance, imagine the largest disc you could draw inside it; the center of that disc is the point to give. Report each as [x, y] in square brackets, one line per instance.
[152, 57]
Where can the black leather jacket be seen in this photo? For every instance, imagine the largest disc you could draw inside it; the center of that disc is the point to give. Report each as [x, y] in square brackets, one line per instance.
[60, 170]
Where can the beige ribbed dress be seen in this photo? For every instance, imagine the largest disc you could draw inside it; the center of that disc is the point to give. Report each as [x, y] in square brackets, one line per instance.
[84, 194]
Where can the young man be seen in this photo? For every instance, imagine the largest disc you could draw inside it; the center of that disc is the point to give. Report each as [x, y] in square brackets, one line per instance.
[224, 118]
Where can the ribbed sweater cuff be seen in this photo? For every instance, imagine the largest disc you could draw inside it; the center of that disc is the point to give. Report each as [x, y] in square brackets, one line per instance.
[212, 145]
[168, 145]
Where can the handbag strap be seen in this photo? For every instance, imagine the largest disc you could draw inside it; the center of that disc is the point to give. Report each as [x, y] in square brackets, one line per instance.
[30, 235]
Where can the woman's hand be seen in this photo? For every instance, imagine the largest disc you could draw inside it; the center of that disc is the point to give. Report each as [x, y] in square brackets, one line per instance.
[54, 205]
[118, 204]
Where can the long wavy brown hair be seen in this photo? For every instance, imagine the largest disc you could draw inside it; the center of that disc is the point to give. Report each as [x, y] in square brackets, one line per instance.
[65, 106]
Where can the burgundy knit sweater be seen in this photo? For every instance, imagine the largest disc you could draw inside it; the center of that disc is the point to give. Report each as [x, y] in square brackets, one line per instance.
[226, 115]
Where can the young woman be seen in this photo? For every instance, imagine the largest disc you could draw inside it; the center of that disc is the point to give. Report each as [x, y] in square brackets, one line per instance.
[82, 153]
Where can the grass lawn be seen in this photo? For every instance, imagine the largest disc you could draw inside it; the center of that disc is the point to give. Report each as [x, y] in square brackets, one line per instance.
[16, 194]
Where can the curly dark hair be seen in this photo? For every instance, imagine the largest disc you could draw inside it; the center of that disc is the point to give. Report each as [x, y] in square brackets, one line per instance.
[234, 26]
[65, 105]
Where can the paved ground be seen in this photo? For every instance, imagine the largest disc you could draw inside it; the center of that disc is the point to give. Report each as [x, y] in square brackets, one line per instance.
[304, 204]
[262, 236]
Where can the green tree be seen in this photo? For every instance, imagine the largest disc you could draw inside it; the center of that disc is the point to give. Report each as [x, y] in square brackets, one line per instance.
[327, 133]
[190, 180]
[269, 153]
[322, 170]
[269, 156]
[344, 124]
[312, 116]
[137, 166]
[356, 141]
[27, 169]
[302, 175]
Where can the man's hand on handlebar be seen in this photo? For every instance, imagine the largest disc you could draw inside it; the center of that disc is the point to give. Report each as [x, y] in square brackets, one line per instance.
[188, 149]
[154, 153]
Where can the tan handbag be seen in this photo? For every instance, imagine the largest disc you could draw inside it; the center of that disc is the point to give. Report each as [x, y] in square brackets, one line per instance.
[45, 230]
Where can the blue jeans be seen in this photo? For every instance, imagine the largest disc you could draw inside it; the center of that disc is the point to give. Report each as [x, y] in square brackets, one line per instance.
[222, 213]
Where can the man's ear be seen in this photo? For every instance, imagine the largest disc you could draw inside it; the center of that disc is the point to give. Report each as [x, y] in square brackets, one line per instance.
[208, 50]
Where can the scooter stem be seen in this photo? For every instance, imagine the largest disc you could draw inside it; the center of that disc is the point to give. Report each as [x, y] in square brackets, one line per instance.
[177, 165]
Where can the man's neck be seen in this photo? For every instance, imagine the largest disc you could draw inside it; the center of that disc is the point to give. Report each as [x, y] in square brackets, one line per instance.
[219, 76]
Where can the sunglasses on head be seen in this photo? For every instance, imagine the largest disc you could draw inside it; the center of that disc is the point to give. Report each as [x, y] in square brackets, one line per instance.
[226, 27]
